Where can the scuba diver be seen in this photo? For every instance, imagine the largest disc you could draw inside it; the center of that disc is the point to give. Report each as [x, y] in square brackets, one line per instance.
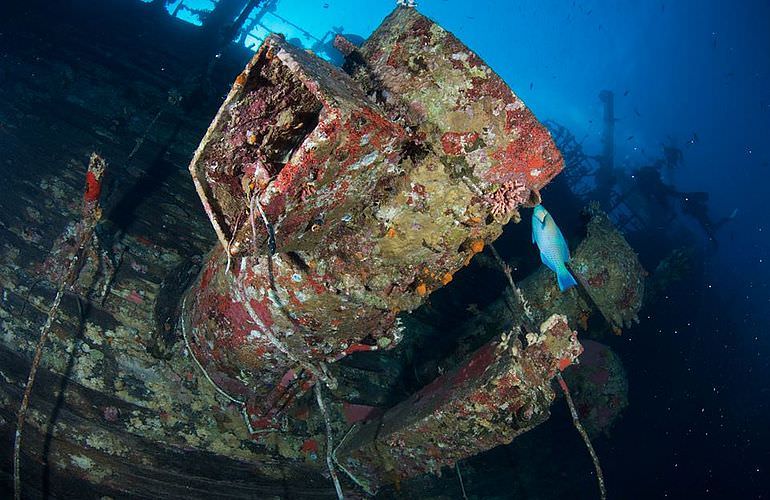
[696, 206]
[651, 186]
[672, 156]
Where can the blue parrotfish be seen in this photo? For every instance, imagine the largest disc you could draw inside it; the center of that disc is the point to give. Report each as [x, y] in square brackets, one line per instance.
[553, 248]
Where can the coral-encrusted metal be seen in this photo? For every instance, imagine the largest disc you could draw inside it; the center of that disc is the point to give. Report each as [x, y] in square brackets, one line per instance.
[500, 392]
[379, 186]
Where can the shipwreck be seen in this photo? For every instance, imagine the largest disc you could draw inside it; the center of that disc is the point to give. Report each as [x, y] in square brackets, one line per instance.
[250, 351]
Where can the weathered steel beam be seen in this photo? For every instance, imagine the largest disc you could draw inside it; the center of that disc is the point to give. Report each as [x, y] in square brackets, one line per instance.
[501, 391]
[378, 189]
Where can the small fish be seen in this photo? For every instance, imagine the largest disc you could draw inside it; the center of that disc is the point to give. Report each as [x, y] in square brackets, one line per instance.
[629, 137]
[531, 84]
[553, 248]
[626, 93]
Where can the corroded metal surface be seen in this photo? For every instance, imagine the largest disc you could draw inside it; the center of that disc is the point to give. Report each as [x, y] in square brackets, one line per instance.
[378, 189]
[599, 386]
[107, 417]
[486, 134]
[502, 390]
[610, 272]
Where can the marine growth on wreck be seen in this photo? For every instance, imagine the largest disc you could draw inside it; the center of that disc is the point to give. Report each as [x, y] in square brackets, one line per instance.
[294, 278]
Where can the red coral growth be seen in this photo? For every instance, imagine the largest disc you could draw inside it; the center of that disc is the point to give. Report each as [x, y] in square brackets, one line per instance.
[488, 88]
[457, 143]
[508, 197]
[516, 115]
[564, 363]
[522, 155]
[396, 55]
[93, 187]
[531, 155]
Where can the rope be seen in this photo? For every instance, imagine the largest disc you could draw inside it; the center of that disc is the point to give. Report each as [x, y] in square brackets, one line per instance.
[344, 469]
[573, 412]
[30, 382]
[318, 372]
[199, 365]
[584, 435]
[329, 443]
[460, 477]
[505, 268]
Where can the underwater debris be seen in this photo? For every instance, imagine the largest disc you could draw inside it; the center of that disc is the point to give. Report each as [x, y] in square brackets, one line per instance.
[501, 391]
[675, 267]
[91, 213]
[150, 392]
[364, 190]
[329, 442]
[563, 363]
[521, 301]
[608, 270]
[599, 386]
[460, 478]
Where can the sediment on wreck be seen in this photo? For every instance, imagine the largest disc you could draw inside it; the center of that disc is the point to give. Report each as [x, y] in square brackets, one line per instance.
[118, 408]
[376, 203]
[377, 187]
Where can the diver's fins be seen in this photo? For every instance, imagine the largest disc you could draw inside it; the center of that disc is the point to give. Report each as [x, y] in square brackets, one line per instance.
[565, 278]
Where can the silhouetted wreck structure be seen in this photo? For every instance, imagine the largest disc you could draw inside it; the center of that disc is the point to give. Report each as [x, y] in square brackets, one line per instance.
[638, 200]
[183, 363]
